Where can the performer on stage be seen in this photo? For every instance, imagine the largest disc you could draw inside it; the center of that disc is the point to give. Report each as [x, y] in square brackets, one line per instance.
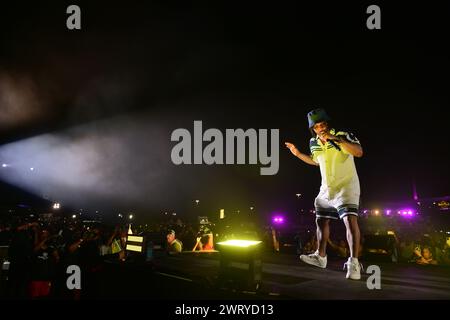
[338, 198]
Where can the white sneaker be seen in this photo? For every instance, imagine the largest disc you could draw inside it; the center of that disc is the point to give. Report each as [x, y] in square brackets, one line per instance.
[353, 269]
[314, 259]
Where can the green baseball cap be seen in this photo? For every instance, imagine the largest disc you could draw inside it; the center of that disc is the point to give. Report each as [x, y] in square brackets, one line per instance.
[316, 116]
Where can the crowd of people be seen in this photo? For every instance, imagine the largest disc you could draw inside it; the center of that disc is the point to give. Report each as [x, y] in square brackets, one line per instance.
[39, 252]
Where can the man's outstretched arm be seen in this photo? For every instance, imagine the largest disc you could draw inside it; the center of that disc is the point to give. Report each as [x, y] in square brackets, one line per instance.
[304, 157]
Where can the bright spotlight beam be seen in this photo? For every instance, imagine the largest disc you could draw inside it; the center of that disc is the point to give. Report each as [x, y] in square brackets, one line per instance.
[81, 166]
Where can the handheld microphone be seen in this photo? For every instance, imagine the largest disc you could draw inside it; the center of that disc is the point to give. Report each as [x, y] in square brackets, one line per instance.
[334, 144]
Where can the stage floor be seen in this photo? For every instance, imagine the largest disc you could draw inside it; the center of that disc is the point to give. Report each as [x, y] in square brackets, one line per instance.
[284, 276]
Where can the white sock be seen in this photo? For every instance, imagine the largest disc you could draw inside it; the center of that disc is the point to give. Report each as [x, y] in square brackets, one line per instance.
[355, 260]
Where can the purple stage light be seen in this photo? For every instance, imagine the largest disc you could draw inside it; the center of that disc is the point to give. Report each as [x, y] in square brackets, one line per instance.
[278, 220]
[407, 213]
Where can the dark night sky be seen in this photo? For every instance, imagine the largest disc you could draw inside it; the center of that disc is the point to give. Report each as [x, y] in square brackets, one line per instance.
[240, 67]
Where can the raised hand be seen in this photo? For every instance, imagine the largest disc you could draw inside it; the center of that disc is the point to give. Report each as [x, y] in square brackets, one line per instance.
[292, 148]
